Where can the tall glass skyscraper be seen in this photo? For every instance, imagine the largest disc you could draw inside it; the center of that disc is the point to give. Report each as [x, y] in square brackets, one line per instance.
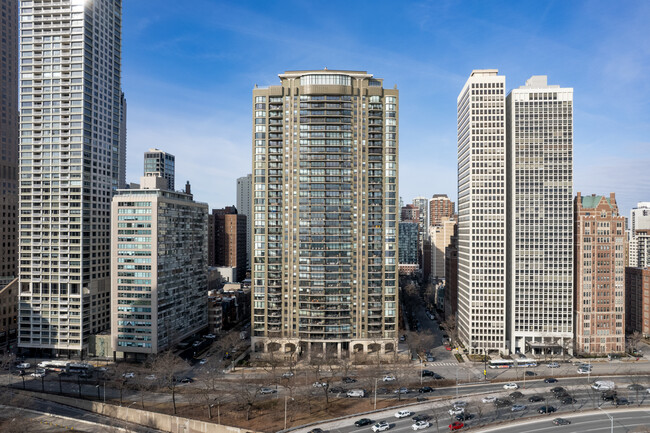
[325, 185]
[72, 137]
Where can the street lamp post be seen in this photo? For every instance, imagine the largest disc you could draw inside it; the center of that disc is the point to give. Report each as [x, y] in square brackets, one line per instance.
[611, 418]
[484, 364]
[421, 371]
[376, 393]
[285, 410]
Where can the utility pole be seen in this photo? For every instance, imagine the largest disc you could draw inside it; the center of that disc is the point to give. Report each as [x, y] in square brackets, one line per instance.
[376, 393]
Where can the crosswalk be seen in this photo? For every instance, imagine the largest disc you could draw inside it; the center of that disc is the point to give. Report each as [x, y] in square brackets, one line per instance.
[441, 364]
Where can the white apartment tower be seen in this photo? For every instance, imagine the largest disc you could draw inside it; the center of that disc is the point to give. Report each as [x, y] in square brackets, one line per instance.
[638, 235]
[244, 186]
[540, 217]
[70, 147]
[482, 302]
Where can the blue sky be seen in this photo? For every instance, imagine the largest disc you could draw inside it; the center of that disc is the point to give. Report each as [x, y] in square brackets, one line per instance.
[188, 70]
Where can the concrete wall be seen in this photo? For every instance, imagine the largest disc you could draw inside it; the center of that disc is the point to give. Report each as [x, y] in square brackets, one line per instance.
[167, 423]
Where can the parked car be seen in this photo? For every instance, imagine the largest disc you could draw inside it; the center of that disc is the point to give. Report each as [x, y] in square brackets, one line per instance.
[362, 422]
[488, 399]
[336, 389]
[420, 425]
[210, 336]
[561, 421]
[287, 374]
[151, 377]
[389, 378]
[380, 426]
[583, 370]
[546, 409]
[557, 390]
[425, 389]
[23, 366]
[511, 385]
[464, 416]
[319, 384]
[426, 373]
[266, 390]
[635, 387]
[553, 365]
[535, 398]
[568, 400]
[518, 408]
[402, 390]
[608, 396]
[128, 375]
[430, 358]
[187, 380]
[36, 374]
[502, 402]
[403, 413]
[516, 394]
[348, 380]
[530, 373]
[457, 425]
[203, 361]
[459, 403]
[550, 380]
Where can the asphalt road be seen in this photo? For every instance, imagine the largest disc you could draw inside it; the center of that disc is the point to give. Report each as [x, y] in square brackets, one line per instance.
[624, 421]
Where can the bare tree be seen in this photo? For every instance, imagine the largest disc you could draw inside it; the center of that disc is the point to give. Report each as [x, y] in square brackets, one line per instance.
[166, 366]
[246, 394]
[7, 360]
[633, 341]
[117, 377]
[436, 417]
[450, 325]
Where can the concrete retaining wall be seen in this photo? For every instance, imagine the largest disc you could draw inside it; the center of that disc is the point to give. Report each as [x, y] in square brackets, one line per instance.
[159, 421]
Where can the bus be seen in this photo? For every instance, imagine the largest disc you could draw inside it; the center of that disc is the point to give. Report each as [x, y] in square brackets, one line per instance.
[526, 363]
[54, 365]
[501, 363]
[81, 367]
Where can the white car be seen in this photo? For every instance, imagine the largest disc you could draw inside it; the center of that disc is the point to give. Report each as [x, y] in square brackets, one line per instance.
[381, 426]
[553, 365]
[266, 390]
[420, 425]
[489, 399]
[287, 374]
[456, 411]
[151, 377]
[319, 384]
[459, 404]
[128, 375]
[403, 413]
[511, 385]
[389, 378]
[38, 374]
[583, 370]
[203, 361]
[209, 336]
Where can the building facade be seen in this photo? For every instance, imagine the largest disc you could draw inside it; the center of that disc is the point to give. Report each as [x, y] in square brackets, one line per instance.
[408, 248]
[410, 213]
[244, 203]
[8, 314]
[159, 267]
[9, 141]
[440, 236]
[637, 301]
[325, 232]
[69, 168]
[599, 275]
[441, 208]
[642, 248]
[451, 276]
[229, 233]
[162, 164]
[482, 212]
[639, 221]
[540, 217]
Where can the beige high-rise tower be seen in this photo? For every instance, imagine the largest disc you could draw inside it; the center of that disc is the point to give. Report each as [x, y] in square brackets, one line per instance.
[324, 235]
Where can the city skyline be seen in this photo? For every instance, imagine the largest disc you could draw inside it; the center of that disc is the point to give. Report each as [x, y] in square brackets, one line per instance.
[179, 82]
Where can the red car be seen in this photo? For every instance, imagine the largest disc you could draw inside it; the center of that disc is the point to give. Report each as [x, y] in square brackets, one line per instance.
[448, 347]
[456, 425]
